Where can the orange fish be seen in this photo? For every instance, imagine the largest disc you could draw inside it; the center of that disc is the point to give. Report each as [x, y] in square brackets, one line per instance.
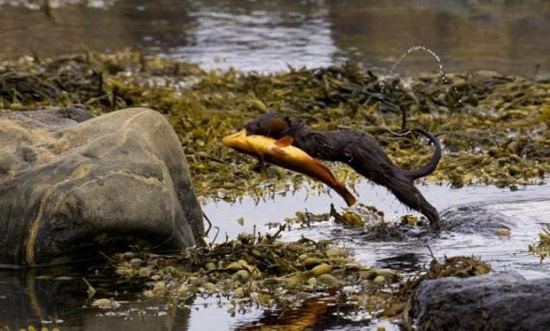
[282, 153]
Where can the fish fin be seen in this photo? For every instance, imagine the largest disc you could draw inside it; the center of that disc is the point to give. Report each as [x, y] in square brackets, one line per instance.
[340, 188]
[284, 141]
[327, 169]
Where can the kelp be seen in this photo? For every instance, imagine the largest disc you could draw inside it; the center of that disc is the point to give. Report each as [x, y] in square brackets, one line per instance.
[253, 270]
[493, 128]
[31, 328]
[542, 246]
[261, 271]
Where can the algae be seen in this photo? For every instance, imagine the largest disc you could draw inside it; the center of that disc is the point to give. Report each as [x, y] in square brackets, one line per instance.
[542, 247]
[262, 271]
[252, 270]
[493, 128]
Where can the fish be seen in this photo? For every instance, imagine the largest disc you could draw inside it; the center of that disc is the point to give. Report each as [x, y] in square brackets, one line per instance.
[281, 153]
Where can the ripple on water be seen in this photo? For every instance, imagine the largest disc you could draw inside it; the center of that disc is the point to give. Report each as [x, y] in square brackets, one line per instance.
[522, 211]
[481, 210]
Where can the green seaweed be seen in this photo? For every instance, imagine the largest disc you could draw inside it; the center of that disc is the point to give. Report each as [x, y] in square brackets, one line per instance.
[493, 128]
[252, 269]
[542, 247]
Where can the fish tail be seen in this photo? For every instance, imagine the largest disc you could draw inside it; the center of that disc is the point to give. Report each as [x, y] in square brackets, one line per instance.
[348, 197]
[333, 182]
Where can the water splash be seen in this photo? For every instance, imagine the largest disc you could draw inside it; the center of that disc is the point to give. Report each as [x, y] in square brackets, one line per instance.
[403, 56]
[424, 49]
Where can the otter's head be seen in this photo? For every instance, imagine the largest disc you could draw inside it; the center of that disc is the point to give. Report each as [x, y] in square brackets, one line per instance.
[273, 125]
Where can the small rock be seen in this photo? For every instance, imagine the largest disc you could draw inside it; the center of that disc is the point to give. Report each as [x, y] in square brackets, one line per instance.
[504, 232]
[105, 303]
[379, 280]
[242, 276]
[321, 269]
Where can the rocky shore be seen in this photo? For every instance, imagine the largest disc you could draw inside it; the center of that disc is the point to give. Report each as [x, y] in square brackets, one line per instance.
[73, 185]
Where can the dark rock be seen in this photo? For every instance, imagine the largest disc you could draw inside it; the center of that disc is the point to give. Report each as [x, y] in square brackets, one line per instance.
[468, 219]
[473, 219]
[69, 190]
[504, 301]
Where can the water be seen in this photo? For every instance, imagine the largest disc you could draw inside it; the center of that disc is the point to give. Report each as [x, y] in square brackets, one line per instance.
[523, 211]
[506, 36]
[413, 49]
[41, 296]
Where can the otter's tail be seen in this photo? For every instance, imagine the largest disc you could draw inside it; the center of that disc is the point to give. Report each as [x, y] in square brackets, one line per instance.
[430, 167]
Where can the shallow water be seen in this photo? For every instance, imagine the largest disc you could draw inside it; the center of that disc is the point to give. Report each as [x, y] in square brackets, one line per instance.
[30, 298]
[266, 35]
[523, 211]
[511, 37]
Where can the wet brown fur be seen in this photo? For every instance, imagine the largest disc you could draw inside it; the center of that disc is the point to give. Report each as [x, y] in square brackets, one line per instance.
[360, 151]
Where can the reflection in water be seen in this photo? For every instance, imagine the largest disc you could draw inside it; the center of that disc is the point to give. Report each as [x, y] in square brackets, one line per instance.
[263, 40]
[407, 262]
[523, 211]
[507, 36]
[75, 28]
[57, 297]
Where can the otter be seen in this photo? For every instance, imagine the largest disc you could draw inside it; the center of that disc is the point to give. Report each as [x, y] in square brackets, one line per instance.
[358, 150]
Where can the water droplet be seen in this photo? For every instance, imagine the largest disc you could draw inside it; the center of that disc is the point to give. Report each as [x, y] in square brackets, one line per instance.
[425, 49]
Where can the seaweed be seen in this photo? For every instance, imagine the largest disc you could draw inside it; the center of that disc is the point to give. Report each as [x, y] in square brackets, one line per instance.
[542, 247]
[252, 269]
[493, 128]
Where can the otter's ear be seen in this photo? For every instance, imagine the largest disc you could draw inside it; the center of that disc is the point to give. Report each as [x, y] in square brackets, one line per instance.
[277, 126]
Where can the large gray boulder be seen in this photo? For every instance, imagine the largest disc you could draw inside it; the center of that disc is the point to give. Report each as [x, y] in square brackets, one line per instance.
[504, 301]
[72, 186]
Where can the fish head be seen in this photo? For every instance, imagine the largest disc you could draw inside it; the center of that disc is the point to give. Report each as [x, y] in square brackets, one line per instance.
[248, 144]
[236, 140]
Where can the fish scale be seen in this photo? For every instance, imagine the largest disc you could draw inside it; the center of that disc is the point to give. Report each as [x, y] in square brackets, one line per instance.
[282, 153]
